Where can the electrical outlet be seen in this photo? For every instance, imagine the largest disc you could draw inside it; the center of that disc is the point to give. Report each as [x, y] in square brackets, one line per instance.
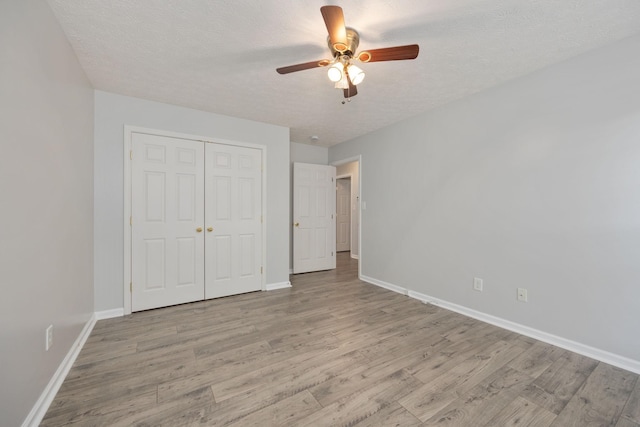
[477, 284]
[522, 294]
[48, 338]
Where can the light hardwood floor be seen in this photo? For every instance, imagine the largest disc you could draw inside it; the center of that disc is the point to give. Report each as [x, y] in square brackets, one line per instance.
[332, 351]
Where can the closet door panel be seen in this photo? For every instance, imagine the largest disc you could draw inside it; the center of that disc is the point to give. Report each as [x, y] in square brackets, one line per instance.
[196, 220]
[233, 211]
[167, 183]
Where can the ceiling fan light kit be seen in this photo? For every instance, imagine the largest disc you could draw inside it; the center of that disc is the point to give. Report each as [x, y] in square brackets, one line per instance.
[343, 43]
[341, 70]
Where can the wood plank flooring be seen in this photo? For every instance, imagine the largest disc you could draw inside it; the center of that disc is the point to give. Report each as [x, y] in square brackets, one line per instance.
[332, 351]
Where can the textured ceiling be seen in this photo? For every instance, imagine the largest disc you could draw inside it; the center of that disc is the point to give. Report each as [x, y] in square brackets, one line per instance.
[221, 55]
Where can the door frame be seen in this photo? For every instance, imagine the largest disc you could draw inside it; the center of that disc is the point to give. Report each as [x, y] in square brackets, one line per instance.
[337, 163]
[126, 224]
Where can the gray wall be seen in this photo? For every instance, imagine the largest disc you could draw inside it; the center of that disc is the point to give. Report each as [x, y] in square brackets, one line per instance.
[305, 153]
[46, 188]
[112, 113]
[533, 184]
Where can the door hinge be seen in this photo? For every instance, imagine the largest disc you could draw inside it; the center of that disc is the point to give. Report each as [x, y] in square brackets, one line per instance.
[331, 253]
[130, 220]
[261, 270]
[331, 216]
[131, 287]
[260, 219]
[332, 180]
[131, 154]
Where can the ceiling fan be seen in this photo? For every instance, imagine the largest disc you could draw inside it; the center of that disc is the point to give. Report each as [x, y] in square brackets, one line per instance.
[343, 44]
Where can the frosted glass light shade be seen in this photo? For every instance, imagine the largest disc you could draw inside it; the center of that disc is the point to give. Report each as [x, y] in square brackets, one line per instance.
[343, 83]
[335, 72]
[356, 75]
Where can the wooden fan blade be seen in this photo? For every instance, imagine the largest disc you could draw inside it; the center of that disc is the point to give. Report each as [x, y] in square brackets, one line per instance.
[300, 67]
[334, 20]
[351, 91]
[396, 53]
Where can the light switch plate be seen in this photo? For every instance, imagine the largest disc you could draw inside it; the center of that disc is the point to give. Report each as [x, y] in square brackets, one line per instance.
[522, 294]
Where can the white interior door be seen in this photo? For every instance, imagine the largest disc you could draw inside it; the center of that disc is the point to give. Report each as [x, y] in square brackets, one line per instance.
[314, 226]
[343, 215]
[167, 209]
[233, 211]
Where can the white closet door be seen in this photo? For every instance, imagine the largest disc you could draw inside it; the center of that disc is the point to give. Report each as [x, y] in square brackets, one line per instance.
[167, 211]
[233, 219]
[314, 228]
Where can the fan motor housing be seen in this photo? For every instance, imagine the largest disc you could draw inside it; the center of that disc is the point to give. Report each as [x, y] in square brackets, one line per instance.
[353, 40]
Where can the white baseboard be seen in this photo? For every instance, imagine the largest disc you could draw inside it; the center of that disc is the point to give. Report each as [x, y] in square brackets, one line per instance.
[109, 314]
[281, 285]
[576, 347]
[385, 285]
[42, 404]
[355, 256]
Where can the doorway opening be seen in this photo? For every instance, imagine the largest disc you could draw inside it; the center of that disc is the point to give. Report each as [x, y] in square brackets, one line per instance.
[348, 175]
[343, 214]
